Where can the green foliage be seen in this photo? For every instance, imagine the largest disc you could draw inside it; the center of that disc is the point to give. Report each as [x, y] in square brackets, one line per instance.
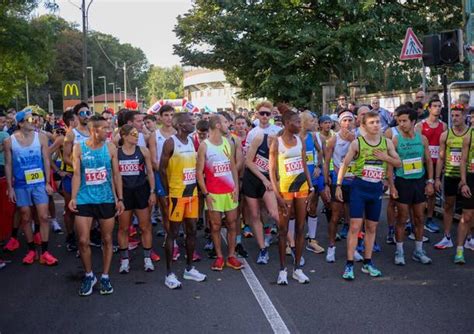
[165, 83]
[285, 49]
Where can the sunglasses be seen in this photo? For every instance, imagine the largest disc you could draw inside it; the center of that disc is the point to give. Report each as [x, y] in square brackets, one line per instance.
[133, 134]
[30, 119]
[85, 113]
[264, 113]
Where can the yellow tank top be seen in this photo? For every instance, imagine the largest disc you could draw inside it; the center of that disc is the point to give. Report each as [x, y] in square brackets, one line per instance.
[290, 167]
[181, 170]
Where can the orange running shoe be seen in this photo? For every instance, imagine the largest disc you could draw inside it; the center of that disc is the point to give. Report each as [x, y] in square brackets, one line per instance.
[30, 257]
[11, 245]
[218, 264]
[37, 238]
[47, 259]
[154, 256]
[233, 263]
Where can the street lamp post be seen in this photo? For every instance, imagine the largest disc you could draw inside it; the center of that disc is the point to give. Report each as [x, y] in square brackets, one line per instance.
[105, 89]
[113, 92]
[92, 86]
[120, 96]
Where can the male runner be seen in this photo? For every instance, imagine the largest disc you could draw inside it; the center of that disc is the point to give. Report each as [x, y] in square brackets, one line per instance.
[96, 194]
[264, 126]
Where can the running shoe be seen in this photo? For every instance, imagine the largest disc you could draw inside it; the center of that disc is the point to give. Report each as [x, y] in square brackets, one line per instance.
[29, 257]
[420, 256]
[196, 257]
[124, 266]
[263, 256]
[377, 248]
[288, 250]
[133, 243]
[331, 255]
[431, 226]
[314, 247]
[299, 275]
[56, 227]
[171, 281]
[348, 274]
[132, 231]
[95, 238]
[444, 243]
[302, 261]
[267, 238]
[209, 245]
[212, 254]
[87, 285]
[360, 246]
[241, 252]
[459, 257]
[358, 257]
[71, 245]
[469, 244]
[247, 231]
[12, 245]
[218, 264]
[47, 259]
[194, 275]
[37, 238]
[390, 238]
[160, 233]
[3, 264]
[411, 236]
[200, 224]
[274, 229]
[338, 237]
[233, 263]
[344, 231]
[105, 286]
[154, 256]
[176, 253]
[282, 277]
[148, 265]
[408, 227]
[399, 258]
[371, 270]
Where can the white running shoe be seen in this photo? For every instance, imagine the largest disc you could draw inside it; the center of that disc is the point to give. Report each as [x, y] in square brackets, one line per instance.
[331, 255]
[300, 276]
[56, 227]
[268, 240]
[194, 275]
[358, 257]
[124, 266]
[171, 281]
[148, 264]
[444, 243]
[282, 277]
[469, 244]
[411, 236]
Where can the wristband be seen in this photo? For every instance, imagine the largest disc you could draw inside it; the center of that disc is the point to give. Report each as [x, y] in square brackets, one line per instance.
[311, 189]
[430, 181]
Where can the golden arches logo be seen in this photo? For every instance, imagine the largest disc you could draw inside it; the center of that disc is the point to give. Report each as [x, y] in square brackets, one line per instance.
[71, 88]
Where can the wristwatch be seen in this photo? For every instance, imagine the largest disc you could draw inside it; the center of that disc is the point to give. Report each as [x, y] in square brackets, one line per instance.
[430, 181]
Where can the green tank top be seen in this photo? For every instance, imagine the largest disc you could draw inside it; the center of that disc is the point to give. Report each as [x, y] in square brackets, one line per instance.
[366, 165]
[411, 152]
[452, 161]
[470, 156]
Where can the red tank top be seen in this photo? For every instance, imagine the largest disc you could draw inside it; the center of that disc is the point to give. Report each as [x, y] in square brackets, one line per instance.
[433, 135]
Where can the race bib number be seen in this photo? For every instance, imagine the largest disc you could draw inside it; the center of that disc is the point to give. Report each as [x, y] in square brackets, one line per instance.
[189, 176]
[129, 167]
[412, 166]
[95, 176]
[349, 171]
[261, 163]
[455, 158]
[434, 151]
[372, 173]
[309, 158]
[472, 165]
[33, 176]
[221, 168]
[294, 166]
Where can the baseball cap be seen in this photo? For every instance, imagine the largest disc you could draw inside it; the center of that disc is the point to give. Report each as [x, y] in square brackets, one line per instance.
[324, 118]
[20, 116]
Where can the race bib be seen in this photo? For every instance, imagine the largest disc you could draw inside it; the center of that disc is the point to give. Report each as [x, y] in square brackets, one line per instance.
[412, 166]
[455, 158]
[129, 167]
[293, 166]
[261, 163]
[309, 158]
[221, 168]
[434, 151]
[349, 171]
[189, 176]
[33, 176]
[95, 176]
[372, 173]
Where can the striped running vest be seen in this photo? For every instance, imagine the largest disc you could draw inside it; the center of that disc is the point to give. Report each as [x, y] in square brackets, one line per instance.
[290, 167]
[452, 161]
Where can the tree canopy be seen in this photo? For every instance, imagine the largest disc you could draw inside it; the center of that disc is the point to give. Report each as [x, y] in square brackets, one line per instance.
[164, 83]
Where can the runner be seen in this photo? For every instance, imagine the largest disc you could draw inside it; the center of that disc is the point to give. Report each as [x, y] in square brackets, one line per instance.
[371, 153]
[134, 162]
[410, 187]
[27, 169]
[450, 150]
[178, 172]
[288, 161]
[264, 126]
[216, 162]
[96, 194]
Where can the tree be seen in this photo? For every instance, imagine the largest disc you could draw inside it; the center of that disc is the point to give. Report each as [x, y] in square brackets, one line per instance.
[164, 83]
[284, 49]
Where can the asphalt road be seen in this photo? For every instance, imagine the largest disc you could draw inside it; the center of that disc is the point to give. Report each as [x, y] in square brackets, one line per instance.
[436, 298]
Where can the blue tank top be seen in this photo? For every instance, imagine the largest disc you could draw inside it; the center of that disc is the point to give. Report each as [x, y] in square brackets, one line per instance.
[28, 168]
[311, 155]
[96, 176]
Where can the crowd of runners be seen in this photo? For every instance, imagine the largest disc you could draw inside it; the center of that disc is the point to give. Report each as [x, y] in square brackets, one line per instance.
[269, 175]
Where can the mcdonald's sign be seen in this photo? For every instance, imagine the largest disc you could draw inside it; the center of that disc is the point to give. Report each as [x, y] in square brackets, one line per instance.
[71, 90]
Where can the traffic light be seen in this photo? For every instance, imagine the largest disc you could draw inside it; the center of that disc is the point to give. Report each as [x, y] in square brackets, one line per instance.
[431, 50]
[445, 48]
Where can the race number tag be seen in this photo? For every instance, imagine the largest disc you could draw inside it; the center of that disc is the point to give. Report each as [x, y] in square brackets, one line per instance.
[261, 163]
[372, 173]
[349, 171]
[309, 158]
[412, 166]
[33, 176]
[221, 168]
[189, 176]
[95, 176]
[293, 166]
[455, 158]
[434, 151]
[129, 167]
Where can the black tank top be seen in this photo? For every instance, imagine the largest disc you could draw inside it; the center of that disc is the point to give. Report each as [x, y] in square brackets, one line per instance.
[132, 168]
[261, 157]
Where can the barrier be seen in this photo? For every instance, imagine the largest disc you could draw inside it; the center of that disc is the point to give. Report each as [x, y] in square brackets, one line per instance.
[7, 211]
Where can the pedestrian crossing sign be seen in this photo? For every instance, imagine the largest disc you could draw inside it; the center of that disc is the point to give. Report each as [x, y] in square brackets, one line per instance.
[412, 48]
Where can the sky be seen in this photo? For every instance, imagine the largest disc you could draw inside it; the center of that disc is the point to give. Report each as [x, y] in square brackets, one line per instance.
[147, 24]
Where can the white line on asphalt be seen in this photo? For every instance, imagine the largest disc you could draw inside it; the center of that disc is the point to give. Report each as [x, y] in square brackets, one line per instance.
[270, 311]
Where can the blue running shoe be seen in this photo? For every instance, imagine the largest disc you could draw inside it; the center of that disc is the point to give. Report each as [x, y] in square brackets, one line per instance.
[377, 248]
[344, 231]
[247, 232]
[87, 285]
[105, 286]
[360, 246]
[371, 270]
[263, 256]
[431, 226]
[348, 274]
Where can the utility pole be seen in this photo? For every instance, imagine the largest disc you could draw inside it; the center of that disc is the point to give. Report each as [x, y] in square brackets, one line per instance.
[113, 91]
[92, 86]
[85, 95]
[27, 92]
[120, 96]
[105, 89]
[125, 80]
